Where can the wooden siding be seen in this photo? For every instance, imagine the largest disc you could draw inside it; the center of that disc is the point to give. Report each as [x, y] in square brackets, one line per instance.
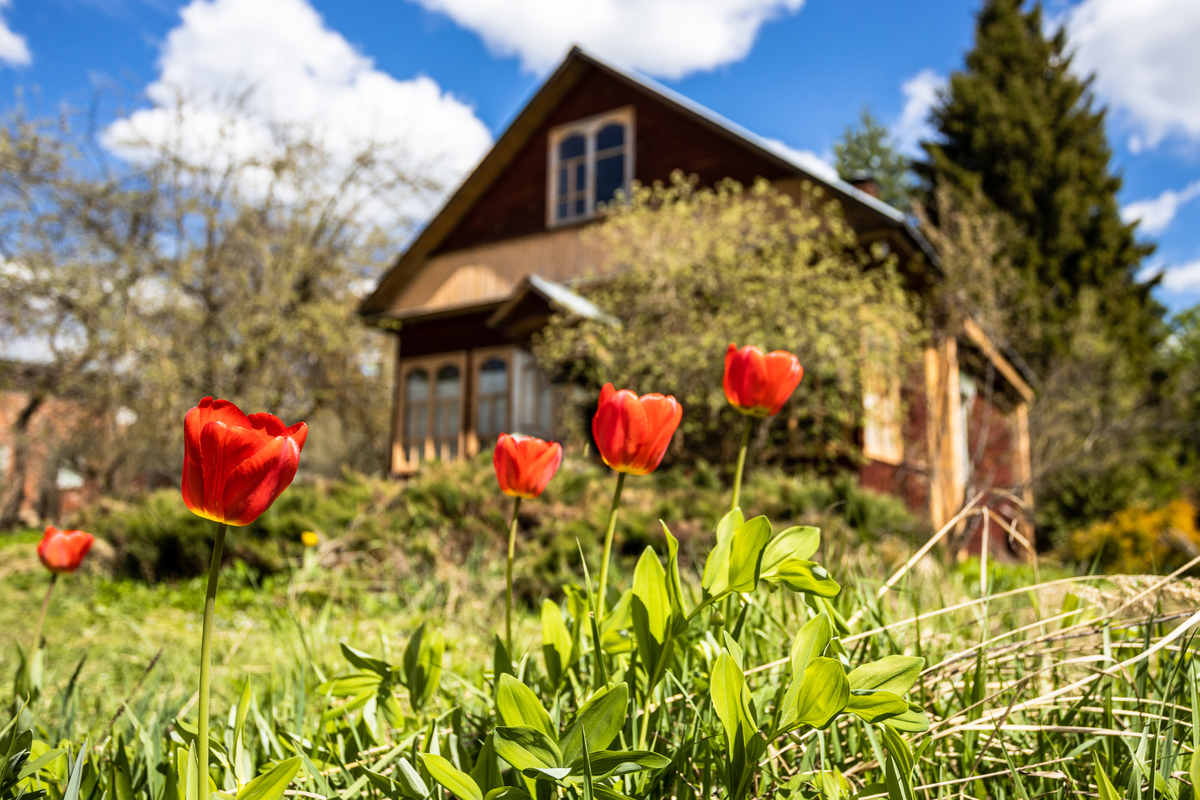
[666, 140]
[489, 272]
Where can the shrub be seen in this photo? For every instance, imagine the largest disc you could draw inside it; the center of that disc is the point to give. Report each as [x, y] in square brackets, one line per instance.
[1140, 539]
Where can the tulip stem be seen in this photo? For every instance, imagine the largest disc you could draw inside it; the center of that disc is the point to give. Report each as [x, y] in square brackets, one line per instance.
[608, 540]
[508, 593]
[741, 465]
[210, 607]
[37, 632]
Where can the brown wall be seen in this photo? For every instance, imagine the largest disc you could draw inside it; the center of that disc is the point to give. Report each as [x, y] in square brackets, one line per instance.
[665, 139]
[36, 496]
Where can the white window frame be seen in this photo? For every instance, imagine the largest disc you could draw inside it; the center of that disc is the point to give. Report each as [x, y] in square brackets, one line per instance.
[588, 127]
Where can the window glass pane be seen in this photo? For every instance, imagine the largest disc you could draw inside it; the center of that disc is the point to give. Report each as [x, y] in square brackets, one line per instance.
[493, 377]
[447, 382]
[562, 210]
[546, 406]
[579, 207]
[562, 181]
[610, 136]
[572, 147]
[580, 177]
[610, 176]
[417, 387]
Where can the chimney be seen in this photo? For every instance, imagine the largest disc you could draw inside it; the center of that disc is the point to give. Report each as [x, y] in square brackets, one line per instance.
[864, 181]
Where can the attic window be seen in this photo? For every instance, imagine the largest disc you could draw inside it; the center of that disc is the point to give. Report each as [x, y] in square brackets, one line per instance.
[590, 161]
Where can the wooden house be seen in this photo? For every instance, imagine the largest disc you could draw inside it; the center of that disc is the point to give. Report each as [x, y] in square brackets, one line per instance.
[506, 249]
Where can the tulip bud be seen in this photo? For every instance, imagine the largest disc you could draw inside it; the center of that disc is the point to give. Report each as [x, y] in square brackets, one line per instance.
[758, 385]
[525, 464]
[631, 432]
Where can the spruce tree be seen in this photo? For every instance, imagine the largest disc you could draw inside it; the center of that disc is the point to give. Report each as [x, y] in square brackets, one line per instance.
[868, 149]
[1017, 125]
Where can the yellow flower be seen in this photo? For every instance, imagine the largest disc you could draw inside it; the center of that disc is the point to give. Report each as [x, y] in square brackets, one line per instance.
[310, 538]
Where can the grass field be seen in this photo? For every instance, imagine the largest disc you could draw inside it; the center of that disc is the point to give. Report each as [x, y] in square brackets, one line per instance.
[1036, 682]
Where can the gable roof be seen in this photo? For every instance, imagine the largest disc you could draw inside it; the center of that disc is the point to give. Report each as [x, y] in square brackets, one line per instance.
[526, 125]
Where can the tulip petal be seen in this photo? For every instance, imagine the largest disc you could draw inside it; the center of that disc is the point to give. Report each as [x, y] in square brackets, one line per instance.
[258, 480]
[206, 411]
[222, 450]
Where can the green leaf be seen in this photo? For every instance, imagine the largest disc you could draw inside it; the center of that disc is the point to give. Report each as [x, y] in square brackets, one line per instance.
[367, 662]
[359, 684]
[796, 542]
[810, 642]
[824, 693]
[650, 586]
[894, 674]
[674, 584]
[601, 717]
[876, 706]
[610, 763]
[1105, 787]
[745, 554]
[507, 793]
[423, 665]
[518, 705]
[411, 784]
[30, 767]
[457, 782]
[912, 721]
[716, 566]
[803, 576]
[526, 748]
[272, 784]
[556, 641]
[486, 772]
[727, 686]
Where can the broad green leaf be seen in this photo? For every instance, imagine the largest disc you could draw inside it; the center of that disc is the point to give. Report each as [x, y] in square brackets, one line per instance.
[486, 772]
[601, 718]
[912, 721]
[610, 763]
[271, 784]
[30, 767]
[650, 586]
[362, 683]
[507, 793]
[555, 775]
[716, 566]
[898, 748]
[411, 784]
[366, 661]
[796, 542]
[894, 674]
[457, 782]
[518, 705]
[876, 706]
[526, 748]
[728, 690]
[556, 641]
[745, 554]
[810, 642]
[823, 694]
[803, 576]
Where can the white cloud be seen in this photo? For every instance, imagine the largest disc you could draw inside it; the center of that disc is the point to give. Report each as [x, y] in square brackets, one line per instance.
[920, 93]
[818, 166]
[1146, 59]
[1156, 213]
[665, 38]
[300, 73]
[13, 48]
[1184, 278]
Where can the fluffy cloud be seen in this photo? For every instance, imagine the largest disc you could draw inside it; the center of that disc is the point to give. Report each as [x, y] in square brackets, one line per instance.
[1146, 60]
[666, 38]
[13, 49]
[920, 93]
[1156, 213]
[1184, 279]
[299, 73]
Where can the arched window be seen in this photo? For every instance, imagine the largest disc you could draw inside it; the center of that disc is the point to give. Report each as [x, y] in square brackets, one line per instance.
[592, 160]
[610, 162]
[492, 411]
[446, 412]
[416, 415]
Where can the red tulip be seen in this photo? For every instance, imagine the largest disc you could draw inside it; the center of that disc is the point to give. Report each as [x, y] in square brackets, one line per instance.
[759, 385]
[62, 551]
[525, 464]
[633, 432]
[235, 466]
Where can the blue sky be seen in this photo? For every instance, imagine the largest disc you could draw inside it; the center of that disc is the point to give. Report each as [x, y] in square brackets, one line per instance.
[448, 74]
